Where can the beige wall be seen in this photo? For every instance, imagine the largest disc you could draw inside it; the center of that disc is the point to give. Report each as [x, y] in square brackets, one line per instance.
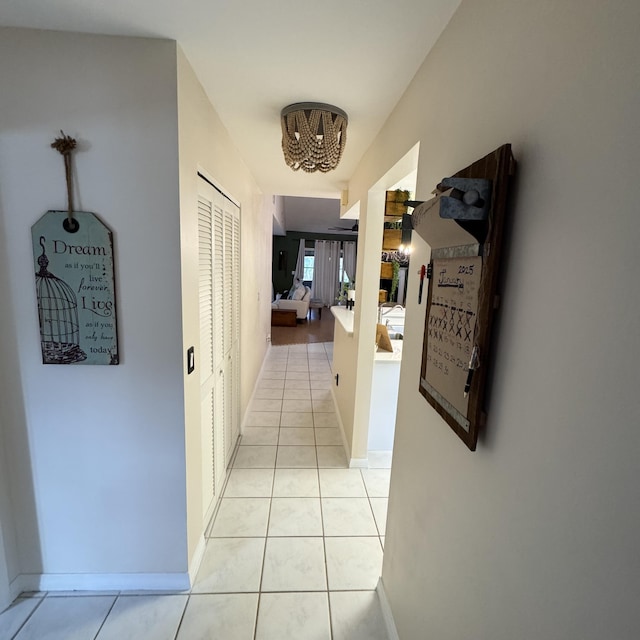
[354, 357]
[535, 534]
[205, 144]
[343, 364]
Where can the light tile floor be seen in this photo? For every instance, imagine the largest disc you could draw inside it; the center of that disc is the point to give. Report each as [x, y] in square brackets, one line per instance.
[295, 549]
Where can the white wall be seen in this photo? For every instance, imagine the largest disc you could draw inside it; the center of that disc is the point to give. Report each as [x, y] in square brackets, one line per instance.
[8, 556]
[9, 564]
[5, 591]
[535, 534]
[205, 144]
[276, 204]
[96, 453]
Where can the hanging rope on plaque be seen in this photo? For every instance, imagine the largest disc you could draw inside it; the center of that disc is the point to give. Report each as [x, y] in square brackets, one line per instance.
[57, 303]
[66, 145]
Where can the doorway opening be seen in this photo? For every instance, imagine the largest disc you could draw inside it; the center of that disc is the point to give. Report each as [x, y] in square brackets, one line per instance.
[376, 390]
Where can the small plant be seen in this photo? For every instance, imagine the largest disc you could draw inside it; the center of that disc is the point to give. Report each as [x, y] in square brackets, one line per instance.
[395, 278]
[402, 195]
[342, 295]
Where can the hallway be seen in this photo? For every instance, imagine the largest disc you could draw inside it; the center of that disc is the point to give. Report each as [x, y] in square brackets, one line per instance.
[294, 552]
[318, 327]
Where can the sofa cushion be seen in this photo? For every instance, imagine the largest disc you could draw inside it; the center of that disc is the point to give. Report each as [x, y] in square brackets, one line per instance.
[299, 292]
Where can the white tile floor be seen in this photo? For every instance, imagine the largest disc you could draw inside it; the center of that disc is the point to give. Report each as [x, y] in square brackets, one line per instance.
[294, 552]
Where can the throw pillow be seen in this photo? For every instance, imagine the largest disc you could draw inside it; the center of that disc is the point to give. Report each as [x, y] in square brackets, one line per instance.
[298, 293]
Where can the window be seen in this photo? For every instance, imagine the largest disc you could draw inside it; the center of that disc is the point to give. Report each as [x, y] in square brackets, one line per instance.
[342, 274]
[309, 265]
[309, 259]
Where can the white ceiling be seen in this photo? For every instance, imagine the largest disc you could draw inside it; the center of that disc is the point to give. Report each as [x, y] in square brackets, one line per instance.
[254, 57]
[314, 215]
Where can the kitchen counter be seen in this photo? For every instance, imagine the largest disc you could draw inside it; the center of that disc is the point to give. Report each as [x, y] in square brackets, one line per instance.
[387, 356]
[345, 317]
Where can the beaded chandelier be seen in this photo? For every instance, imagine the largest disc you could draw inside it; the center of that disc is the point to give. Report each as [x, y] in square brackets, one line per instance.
[313, 136]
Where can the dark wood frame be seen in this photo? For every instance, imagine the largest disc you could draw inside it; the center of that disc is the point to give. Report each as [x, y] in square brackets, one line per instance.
[497, 166]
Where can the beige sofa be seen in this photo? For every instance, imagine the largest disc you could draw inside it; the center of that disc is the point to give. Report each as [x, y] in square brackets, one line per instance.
[301, 307]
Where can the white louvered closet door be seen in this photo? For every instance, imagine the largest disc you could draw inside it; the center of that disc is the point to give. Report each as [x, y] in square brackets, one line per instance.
[228, 331]
[220, 321]
[232, 326]
[206, 355]
[219, 335]
[235, 345]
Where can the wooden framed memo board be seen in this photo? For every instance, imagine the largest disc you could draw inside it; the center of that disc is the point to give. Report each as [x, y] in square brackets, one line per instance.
[462, 294]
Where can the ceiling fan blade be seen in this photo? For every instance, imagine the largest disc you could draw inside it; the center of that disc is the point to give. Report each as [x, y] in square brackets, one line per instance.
[353, 229]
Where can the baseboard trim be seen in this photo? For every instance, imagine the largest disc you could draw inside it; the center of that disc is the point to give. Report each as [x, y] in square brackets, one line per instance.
[387, 614]
[20, 584]
[208, 517]
[196, 561]
[359, 463]
[101, 582]
[243, 422]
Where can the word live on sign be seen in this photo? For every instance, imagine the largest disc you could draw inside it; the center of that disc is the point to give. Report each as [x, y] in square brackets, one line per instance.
[75, 289]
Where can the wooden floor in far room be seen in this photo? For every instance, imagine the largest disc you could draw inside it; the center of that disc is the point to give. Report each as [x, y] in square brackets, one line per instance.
[313, 329]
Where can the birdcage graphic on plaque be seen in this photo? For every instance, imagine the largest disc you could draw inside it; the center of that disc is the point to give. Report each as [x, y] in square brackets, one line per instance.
[75, 289]
[58, 315]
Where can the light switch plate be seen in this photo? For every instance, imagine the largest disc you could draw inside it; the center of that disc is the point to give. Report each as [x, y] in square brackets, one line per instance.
[191, 360]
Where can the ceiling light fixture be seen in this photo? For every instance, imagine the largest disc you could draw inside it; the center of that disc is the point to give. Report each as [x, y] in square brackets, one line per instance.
[313, 136]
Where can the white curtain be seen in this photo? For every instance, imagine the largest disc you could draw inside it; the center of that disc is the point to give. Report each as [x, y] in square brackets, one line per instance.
[300, 263]
[349, 260]
[326, 267]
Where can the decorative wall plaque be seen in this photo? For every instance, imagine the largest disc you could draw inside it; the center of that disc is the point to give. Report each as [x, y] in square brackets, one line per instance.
[73, 253]
[75, 289]
[466, 245]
